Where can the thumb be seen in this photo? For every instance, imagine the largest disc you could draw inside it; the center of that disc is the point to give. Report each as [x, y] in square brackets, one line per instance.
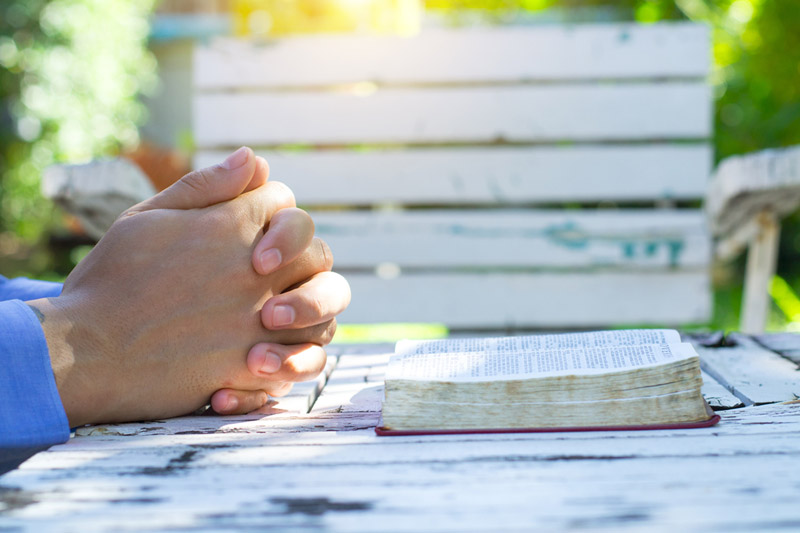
[207, 186]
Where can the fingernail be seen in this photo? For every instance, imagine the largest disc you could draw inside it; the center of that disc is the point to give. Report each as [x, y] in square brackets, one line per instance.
[270, 260]
[282, 315]
[232, 403]
[236, 159]
[271, 364]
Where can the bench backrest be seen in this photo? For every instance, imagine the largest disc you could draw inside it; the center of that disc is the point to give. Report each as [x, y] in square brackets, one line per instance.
[518, 177]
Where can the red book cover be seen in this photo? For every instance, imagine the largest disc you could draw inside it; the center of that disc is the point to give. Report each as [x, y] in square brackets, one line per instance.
[384, 432]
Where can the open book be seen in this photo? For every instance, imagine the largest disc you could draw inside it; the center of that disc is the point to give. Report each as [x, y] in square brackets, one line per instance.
[629, 379]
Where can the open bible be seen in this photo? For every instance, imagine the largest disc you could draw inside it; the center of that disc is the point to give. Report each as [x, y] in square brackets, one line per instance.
[627, 379]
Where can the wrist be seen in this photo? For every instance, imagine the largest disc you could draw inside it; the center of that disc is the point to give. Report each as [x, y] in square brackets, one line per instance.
[75, 358]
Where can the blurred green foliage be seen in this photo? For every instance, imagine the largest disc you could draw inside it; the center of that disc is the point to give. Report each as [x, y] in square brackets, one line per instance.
[71, 73]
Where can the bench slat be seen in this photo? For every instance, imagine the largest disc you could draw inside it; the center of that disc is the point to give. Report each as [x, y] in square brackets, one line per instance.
[484, 175]
[546, 300]
[522, 114]
[444, 56]
[515, 238]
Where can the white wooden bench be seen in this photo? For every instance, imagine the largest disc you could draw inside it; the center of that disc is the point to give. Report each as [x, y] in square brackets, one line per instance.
[747, 198]
[537, 177]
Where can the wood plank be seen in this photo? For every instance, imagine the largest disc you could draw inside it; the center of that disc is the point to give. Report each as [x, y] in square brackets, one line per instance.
[545, 300]
[717, 396]
[555, 113]
[271, 450]
[489, 175]
[355, 386]
[351, 427]
[586, 51]
[786, 344]
[751, 372]
[492, 494]
[635, 238]
[608, 480]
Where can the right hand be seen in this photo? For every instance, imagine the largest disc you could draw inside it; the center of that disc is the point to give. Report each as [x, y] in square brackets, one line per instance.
[158, 316]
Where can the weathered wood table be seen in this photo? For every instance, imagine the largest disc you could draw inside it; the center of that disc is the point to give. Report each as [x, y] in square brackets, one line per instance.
[326, 470]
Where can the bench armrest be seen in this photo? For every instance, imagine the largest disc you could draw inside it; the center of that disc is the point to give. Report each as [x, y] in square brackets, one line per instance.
[745, 186]
[746, 199]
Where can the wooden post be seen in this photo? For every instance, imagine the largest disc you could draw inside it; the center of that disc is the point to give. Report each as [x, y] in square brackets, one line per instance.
[761, 261]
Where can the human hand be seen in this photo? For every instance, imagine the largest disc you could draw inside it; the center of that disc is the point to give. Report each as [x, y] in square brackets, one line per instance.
[159, 314]
[309, 308]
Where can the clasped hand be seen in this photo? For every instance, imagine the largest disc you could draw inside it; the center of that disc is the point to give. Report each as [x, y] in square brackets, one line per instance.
[213, 289]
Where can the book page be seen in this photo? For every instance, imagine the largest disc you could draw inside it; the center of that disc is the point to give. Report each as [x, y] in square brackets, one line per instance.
[505, 365]
[527, 343]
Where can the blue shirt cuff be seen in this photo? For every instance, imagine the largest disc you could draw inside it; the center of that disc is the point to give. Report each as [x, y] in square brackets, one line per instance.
[31, 412]
[27, 289]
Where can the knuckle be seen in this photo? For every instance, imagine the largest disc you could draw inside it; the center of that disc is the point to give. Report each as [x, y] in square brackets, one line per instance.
[307, 220]
[282, 193]
[325, 332]
[325, 252]
[344, 287]
[302, 220]
[294, 368]
[297, 219]
[198, 180]
[131, 211]
[321, 334]
[315, 305]
[216, 223]
[329, 333]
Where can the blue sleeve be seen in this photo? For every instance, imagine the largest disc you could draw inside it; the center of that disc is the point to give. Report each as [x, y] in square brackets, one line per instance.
[27, 289]
[32, 417]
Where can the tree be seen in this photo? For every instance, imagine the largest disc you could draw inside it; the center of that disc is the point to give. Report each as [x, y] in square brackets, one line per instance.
[72, 71]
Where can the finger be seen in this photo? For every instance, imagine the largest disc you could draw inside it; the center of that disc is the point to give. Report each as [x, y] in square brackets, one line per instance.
[239, 402]
[262, 203]
[207, 186]
[289, 234]
[260, 176]
[314, 259]
[321, 334]
[282, 363]
[233, 402]
[313, 302]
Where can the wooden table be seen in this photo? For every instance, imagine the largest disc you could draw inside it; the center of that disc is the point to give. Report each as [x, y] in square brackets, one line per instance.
[327, 471]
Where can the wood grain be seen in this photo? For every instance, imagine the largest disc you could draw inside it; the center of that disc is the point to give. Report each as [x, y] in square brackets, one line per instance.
[753, 373]
[583, 52]
[525, 300]
[489, 175]
[328, 470]
[456, 115]
[528, 239]
[786, 344]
